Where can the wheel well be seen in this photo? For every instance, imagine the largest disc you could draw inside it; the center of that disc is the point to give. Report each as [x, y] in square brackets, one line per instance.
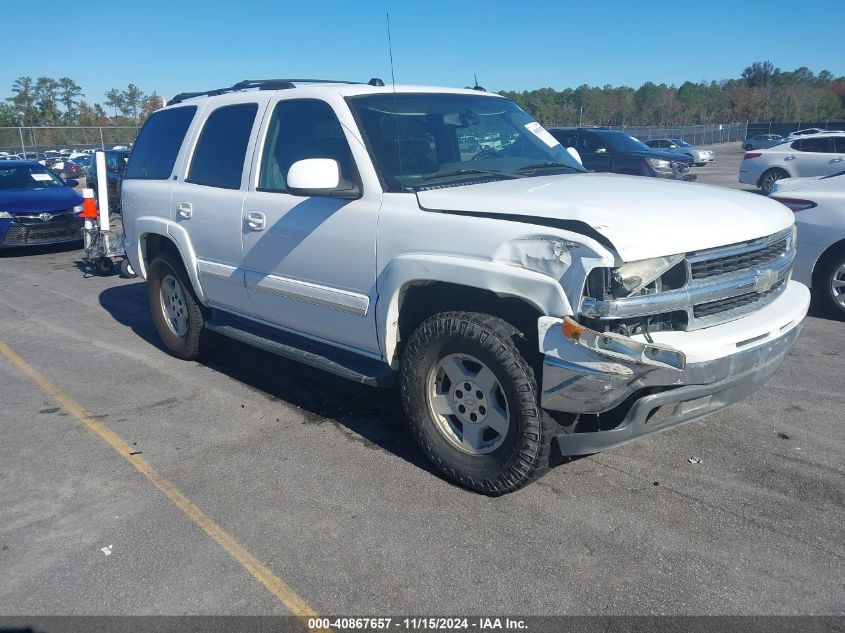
[153, 243]
[780, 169]
[832, 250]
[421, 301]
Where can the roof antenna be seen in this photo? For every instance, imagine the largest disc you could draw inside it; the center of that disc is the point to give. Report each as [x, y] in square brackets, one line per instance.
[475, 85]
[395, 102]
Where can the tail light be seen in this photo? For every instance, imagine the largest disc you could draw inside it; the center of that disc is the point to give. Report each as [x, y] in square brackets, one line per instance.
[796, 204]
[752, 154]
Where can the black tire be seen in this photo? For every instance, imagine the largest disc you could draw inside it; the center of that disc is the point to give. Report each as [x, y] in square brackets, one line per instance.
[748, 147]
[126, 270]
[195, 343]
[105, 266]
[523, 455]
[770, 177]
[823, 287]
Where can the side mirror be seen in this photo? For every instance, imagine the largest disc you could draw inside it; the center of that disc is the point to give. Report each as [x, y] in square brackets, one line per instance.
[673, 147]
[320, 177]
[574, 153]
[72, 182]
[601, 150]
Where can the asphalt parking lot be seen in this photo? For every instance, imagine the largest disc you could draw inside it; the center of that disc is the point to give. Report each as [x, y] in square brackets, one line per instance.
[312, 480]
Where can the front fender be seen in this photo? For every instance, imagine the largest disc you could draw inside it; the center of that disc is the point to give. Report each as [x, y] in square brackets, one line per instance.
[543, 292]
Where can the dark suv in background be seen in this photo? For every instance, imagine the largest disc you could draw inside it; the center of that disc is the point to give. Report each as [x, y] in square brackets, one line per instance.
[115, 169]
[617, 152]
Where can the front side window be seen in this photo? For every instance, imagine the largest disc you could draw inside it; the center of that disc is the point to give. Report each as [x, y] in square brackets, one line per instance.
[839, 144]
[221, 149]
[426, 139]
[301, 129]
[158, 143]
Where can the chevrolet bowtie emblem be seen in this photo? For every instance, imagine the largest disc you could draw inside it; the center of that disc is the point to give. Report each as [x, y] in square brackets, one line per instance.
[764, 280]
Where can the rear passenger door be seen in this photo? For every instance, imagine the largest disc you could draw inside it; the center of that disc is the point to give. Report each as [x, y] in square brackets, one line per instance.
[310, 262]
[208, 200]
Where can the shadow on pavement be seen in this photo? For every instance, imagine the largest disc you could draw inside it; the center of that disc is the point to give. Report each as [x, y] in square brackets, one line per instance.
[374, 416]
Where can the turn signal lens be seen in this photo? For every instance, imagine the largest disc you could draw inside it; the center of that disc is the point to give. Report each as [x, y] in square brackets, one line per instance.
[571, 329]
[752, 154]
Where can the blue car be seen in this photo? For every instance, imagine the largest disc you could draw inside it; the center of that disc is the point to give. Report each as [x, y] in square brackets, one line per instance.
[36, 206]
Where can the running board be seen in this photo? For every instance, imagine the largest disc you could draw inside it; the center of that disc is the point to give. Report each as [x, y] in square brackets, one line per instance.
[339, 362]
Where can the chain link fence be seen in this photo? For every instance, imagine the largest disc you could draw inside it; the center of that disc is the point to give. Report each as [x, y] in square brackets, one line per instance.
[31, 141]
[709, 134]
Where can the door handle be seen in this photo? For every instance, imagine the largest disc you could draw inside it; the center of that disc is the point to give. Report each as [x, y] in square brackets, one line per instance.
[837, 160]
[186, 210]
[255, 220]
[789, 158]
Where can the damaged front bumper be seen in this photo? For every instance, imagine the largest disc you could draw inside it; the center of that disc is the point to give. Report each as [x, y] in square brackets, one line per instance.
[642, 395]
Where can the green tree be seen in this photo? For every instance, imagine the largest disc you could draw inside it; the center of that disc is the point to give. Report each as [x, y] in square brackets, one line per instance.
[69, 93]
[23, 101]
[46, 100]
[114, 100]
[132, 99]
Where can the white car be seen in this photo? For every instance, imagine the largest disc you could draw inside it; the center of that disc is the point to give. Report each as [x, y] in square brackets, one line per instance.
[811, 130]
[515, 299]
[815, 155]
[819, 206]
[699, 156]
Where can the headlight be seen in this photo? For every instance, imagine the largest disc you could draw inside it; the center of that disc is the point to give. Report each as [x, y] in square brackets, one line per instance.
[635, 276]
[659, 163]
[5, 215]
[78, 208]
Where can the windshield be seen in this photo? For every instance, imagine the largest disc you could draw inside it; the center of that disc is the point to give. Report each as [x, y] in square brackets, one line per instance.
[26, 177]
[419, 140]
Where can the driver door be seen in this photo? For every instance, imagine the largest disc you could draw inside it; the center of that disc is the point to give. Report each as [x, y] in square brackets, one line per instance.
[310, 262]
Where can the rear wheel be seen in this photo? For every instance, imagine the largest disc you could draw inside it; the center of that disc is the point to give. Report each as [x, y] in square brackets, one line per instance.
[177, 314]
[830, 283]
[471, 400]
[770, 177]
[748, 147]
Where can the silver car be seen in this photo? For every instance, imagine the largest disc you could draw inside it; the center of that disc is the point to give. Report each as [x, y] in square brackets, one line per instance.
[762, 140]
[699, 156]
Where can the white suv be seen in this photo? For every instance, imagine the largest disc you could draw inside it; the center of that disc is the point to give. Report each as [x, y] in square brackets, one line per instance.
[517, 300]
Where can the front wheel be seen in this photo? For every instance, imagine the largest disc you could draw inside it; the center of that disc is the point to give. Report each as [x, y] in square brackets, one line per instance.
[177, 314]
[830, 284]
[470, 397]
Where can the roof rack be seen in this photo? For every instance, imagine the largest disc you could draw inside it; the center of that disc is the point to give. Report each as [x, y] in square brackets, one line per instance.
[266, 84]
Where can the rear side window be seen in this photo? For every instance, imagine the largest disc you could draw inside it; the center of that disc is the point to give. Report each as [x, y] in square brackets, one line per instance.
[816, 145]
[840, 144]
[158, 143]
[219, 157]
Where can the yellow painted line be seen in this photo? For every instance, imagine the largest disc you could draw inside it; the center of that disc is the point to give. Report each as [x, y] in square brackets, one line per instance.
[275, 585]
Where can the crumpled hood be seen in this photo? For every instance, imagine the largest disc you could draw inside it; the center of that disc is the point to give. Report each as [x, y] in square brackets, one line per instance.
[38, 200]
[642, 217]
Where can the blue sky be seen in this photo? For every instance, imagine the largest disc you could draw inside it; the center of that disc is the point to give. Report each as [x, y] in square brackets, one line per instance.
[183, 45]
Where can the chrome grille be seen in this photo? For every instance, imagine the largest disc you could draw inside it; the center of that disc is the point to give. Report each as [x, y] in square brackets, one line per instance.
[703, 268]
[722, 284]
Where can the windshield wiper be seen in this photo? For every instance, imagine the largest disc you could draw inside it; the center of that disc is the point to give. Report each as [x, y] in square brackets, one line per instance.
[533, 168]
[462, 172]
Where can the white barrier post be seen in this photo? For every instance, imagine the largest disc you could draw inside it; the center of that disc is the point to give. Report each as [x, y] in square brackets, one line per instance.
[103, 197]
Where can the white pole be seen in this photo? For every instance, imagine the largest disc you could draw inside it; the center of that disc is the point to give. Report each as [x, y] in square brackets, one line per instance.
[102, 190]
